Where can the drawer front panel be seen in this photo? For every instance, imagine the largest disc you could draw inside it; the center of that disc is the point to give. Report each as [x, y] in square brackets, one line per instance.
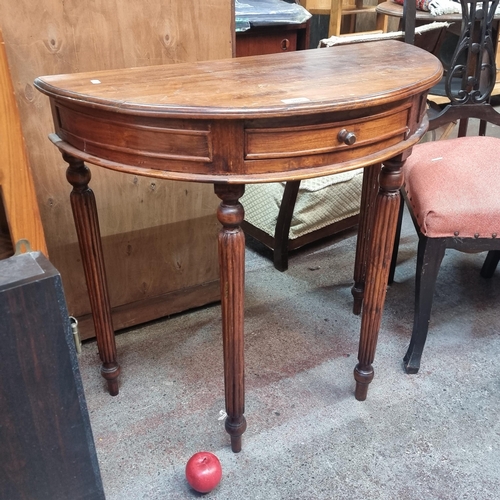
[285, 142]
[134, 138]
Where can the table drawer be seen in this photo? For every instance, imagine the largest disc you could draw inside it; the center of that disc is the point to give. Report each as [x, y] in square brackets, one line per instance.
[346, 135]
[144, 141]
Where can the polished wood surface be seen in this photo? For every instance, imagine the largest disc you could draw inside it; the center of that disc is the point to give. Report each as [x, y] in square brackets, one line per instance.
[253, 119]
[259, 102]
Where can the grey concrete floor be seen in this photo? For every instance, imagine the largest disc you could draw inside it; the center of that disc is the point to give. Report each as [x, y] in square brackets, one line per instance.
[434, 435]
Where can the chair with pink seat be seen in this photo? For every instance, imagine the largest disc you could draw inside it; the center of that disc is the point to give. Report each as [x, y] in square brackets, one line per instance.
[452, 186]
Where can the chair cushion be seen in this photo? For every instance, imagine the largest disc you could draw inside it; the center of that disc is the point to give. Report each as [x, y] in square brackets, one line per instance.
[320, 202]
[453, 187]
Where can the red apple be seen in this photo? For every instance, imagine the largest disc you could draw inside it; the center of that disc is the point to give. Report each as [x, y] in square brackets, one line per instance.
[203, 471]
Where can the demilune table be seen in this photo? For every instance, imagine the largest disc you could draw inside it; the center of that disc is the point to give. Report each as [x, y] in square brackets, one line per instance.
[255, 119]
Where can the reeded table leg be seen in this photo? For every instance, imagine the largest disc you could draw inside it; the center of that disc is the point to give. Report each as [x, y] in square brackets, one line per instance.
[89, 239]
[368, 197]
[232, 279]
[377, 272]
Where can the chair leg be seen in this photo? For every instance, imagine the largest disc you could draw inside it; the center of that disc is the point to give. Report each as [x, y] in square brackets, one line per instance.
[490, 263]
[283, 223]
[430, 254]
[394, 258]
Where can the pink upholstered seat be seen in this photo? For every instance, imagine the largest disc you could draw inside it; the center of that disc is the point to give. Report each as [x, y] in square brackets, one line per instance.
[453, 187]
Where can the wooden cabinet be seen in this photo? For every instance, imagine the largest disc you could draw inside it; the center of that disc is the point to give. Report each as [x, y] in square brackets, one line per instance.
[159, 237]
[272, 39]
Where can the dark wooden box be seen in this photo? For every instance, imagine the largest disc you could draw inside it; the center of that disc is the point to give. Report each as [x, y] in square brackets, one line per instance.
[47, 450]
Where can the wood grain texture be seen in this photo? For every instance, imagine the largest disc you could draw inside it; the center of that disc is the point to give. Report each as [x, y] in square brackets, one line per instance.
[16, 181]
[64, 37]
[377, 272]
[367, 212]
[87, 227]
[252, 118]
[232, 266]
[256, 86]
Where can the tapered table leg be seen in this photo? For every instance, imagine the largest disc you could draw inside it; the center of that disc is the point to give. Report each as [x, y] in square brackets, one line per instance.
[368, 197]
[377, 272]
[232, 279]
[89, 238]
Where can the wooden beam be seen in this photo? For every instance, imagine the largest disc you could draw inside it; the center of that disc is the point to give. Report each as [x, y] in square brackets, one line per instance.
[16, 182]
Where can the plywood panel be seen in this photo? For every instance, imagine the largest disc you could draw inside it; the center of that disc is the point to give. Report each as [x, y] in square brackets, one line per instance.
[56, 36]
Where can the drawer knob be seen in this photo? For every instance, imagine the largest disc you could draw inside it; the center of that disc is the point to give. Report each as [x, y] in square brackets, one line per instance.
[285, 44]
[348, 138]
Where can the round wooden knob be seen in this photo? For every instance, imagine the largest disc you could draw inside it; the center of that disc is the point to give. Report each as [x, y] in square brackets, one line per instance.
[348, 138]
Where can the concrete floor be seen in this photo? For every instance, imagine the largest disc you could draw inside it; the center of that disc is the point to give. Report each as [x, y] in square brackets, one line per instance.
[434, 435]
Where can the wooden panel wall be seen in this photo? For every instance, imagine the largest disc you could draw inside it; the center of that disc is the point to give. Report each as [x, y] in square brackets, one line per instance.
[159, 236]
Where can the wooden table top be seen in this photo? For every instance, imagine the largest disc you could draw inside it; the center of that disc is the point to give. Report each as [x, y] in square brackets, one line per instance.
[263, 118]
[345, 77]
